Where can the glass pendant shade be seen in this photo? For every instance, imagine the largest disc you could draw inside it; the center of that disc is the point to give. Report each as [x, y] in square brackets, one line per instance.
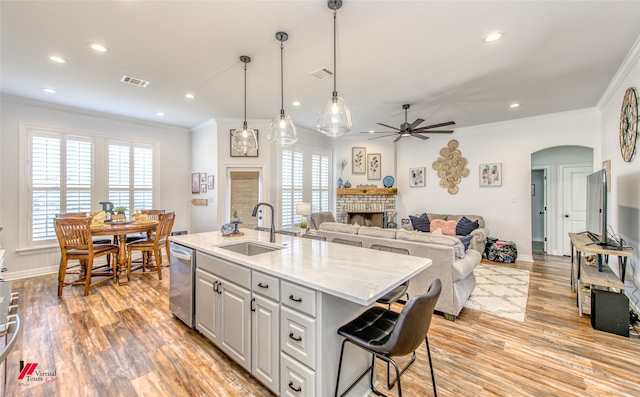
[334, 118]
[282, 131]
[244, 140]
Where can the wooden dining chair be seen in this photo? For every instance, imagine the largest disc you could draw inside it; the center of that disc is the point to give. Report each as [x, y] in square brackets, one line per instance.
[74, 236]
[151, 214]
[72, 215]
[150, 247]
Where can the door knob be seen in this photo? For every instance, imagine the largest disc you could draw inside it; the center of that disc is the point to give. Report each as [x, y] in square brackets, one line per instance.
[566, 215]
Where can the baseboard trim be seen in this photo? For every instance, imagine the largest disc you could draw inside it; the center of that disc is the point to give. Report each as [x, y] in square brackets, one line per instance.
[41, 271]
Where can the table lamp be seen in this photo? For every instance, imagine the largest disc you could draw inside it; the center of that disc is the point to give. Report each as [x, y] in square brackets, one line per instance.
[304, 209]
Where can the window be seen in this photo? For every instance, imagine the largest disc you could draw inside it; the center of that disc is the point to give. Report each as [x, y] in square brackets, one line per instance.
[319, 182]
[292, 184]
[63, 175]
[60, 176]
[131, 176]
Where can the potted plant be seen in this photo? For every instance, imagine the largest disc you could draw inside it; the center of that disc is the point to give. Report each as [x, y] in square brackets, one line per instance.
[120, 209]
[234, 217]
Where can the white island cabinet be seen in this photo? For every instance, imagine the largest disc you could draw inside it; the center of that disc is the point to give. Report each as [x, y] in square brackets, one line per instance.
[277, 313]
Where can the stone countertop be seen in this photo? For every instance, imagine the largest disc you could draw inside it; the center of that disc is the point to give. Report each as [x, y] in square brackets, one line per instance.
[359, 275]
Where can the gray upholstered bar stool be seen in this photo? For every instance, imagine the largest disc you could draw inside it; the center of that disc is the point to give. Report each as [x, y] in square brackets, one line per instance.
[401, 290]
[386, 334]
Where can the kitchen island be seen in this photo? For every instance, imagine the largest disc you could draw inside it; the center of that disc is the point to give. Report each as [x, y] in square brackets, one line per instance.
[277, 312]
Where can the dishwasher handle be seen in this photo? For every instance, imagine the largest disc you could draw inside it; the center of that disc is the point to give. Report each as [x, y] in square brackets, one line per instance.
[180, 253]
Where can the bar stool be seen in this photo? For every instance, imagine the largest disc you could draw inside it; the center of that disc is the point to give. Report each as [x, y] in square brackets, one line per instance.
[385, 334]
[401, 290]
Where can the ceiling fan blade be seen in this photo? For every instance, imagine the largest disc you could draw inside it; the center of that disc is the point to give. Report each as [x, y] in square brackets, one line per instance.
[383, 136]
[388, 126]
[438, 125]
[422, 131]
[378, 132]
[398, 138]
[420, 136]
[416, 123]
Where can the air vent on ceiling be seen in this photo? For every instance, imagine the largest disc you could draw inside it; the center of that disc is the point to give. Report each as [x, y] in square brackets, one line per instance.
[321, 73]
[134, 81]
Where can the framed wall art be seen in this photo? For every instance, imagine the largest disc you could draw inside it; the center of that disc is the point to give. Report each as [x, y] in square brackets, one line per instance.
[203, 182]
[210, 182]
[235, 153]
[491, 174]
[374, 166]
[195, 183]
[358, 157]
[417, 177]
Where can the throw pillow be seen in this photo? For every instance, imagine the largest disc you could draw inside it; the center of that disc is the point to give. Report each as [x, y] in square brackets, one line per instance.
[448, 227]
[466, 240]
[465, 226]
[420, 222]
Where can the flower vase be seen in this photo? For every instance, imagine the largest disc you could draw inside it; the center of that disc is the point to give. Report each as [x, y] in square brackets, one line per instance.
[339, 182]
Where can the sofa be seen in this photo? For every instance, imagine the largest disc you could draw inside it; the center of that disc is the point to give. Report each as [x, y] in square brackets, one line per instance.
[452, 263]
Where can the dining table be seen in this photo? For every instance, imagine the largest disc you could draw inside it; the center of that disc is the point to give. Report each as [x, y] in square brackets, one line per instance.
[121, 229]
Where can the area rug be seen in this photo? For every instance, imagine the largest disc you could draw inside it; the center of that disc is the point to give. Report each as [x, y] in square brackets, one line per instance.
[501, 291]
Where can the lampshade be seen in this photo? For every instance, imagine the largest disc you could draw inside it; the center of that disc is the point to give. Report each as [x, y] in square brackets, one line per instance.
[303, 209]
[334, 118]
[281, 130]
[244, 140]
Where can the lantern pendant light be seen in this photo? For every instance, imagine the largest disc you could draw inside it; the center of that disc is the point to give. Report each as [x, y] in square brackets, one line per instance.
[334, 118]
[244, 140]
[281, 130]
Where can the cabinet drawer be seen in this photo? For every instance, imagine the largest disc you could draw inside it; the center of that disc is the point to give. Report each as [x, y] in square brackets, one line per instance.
[298, 336]
[296, 380]
[266, 285]
[227, 270]
[299, 298]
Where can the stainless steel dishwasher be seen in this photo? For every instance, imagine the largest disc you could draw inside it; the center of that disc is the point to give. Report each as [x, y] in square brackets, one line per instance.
[181, 283]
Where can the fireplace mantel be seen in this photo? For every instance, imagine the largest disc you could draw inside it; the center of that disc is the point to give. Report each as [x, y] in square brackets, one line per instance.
[367, 191]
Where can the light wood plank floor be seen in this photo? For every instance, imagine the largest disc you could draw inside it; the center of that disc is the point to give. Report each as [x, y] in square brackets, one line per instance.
[122, 341]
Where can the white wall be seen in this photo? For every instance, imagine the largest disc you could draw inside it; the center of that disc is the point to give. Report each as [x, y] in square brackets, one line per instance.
[173, 170]
[204, 147]
[624, 198]
[506, 209]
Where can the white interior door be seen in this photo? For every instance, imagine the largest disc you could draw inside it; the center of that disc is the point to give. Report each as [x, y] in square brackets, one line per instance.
[574, 203]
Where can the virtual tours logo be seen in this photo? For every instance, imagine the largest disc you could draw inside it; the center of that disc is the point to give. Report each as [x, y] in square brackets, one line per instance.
[30, 374]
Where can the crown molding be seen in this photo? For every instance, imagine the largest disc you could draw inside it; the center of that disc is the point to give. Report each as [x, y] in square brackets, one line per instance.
[630, 61]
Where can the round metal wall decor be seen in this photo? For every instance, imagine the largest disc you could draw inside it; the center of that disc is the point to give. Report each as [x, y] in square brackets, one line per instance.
[451, 167]
[629, 124]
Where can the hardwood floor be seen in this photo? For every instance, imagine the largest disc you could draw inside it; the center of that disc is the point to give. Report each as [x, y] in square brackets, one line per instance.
[122, 341]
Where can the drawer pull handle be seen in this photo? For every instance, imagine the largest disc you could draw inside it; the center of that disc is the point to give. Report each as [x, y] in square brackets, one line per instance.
[295, 389]
[297, 339]
[263, 285]
[293, 298]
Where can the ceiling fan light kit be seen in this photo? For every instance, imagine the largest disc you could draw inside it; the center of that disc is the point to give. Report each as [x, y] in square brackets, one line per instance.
[282, 131]
[334, 118]
[244, 140]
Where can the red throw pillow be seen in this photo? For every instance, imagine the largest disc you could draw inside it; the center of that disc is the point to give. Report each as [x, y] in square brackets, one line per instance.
[447, 227]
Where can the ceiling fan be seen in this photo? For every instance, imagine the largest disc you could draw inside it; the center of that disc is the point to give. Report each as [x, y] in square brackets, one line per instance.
[407, 129]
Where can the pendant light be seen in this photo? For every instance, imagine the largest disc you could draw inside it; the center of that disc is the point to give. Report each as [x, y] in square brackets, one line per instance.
[281, 130]
[244, 140]
[335, 117]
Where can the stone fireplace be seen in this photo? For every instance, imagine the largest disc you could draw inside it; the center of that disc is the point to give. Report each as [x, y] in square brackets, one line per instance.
[366, 206]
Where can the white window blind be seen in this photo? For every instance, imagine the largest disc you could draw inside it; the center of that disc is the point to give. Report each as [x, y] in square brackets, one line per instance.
[60, 177]
[131, 176]
[319, 182]
[292, 184]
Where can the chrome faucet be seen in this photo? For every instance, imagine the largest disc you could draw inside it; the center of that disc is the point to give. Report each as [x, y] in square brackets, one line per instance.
[272, 232]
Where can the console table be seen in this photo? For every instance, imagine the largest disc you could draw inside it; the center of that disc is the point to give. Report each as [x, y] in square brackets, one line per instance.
[581, 244]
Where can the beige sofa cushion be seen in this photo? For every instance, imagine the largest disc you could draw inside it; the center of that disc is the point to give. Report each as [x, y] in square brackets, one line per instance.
[339, 227]
[377, 232]
[451, 241]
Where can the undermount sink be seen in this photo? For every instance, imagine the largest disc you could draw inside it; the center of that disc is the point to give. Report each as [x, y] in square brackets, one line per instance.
[249, 248]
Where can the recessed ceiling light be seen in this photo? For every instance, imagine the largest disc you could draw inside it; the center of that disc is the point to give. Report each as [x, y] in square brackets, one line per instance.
[514, 105]
[493, 37]
[57, 59]
[98, 47]
[49, 90]
[296, 103]
[371, 131]
[189, 96]
[161, 114]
